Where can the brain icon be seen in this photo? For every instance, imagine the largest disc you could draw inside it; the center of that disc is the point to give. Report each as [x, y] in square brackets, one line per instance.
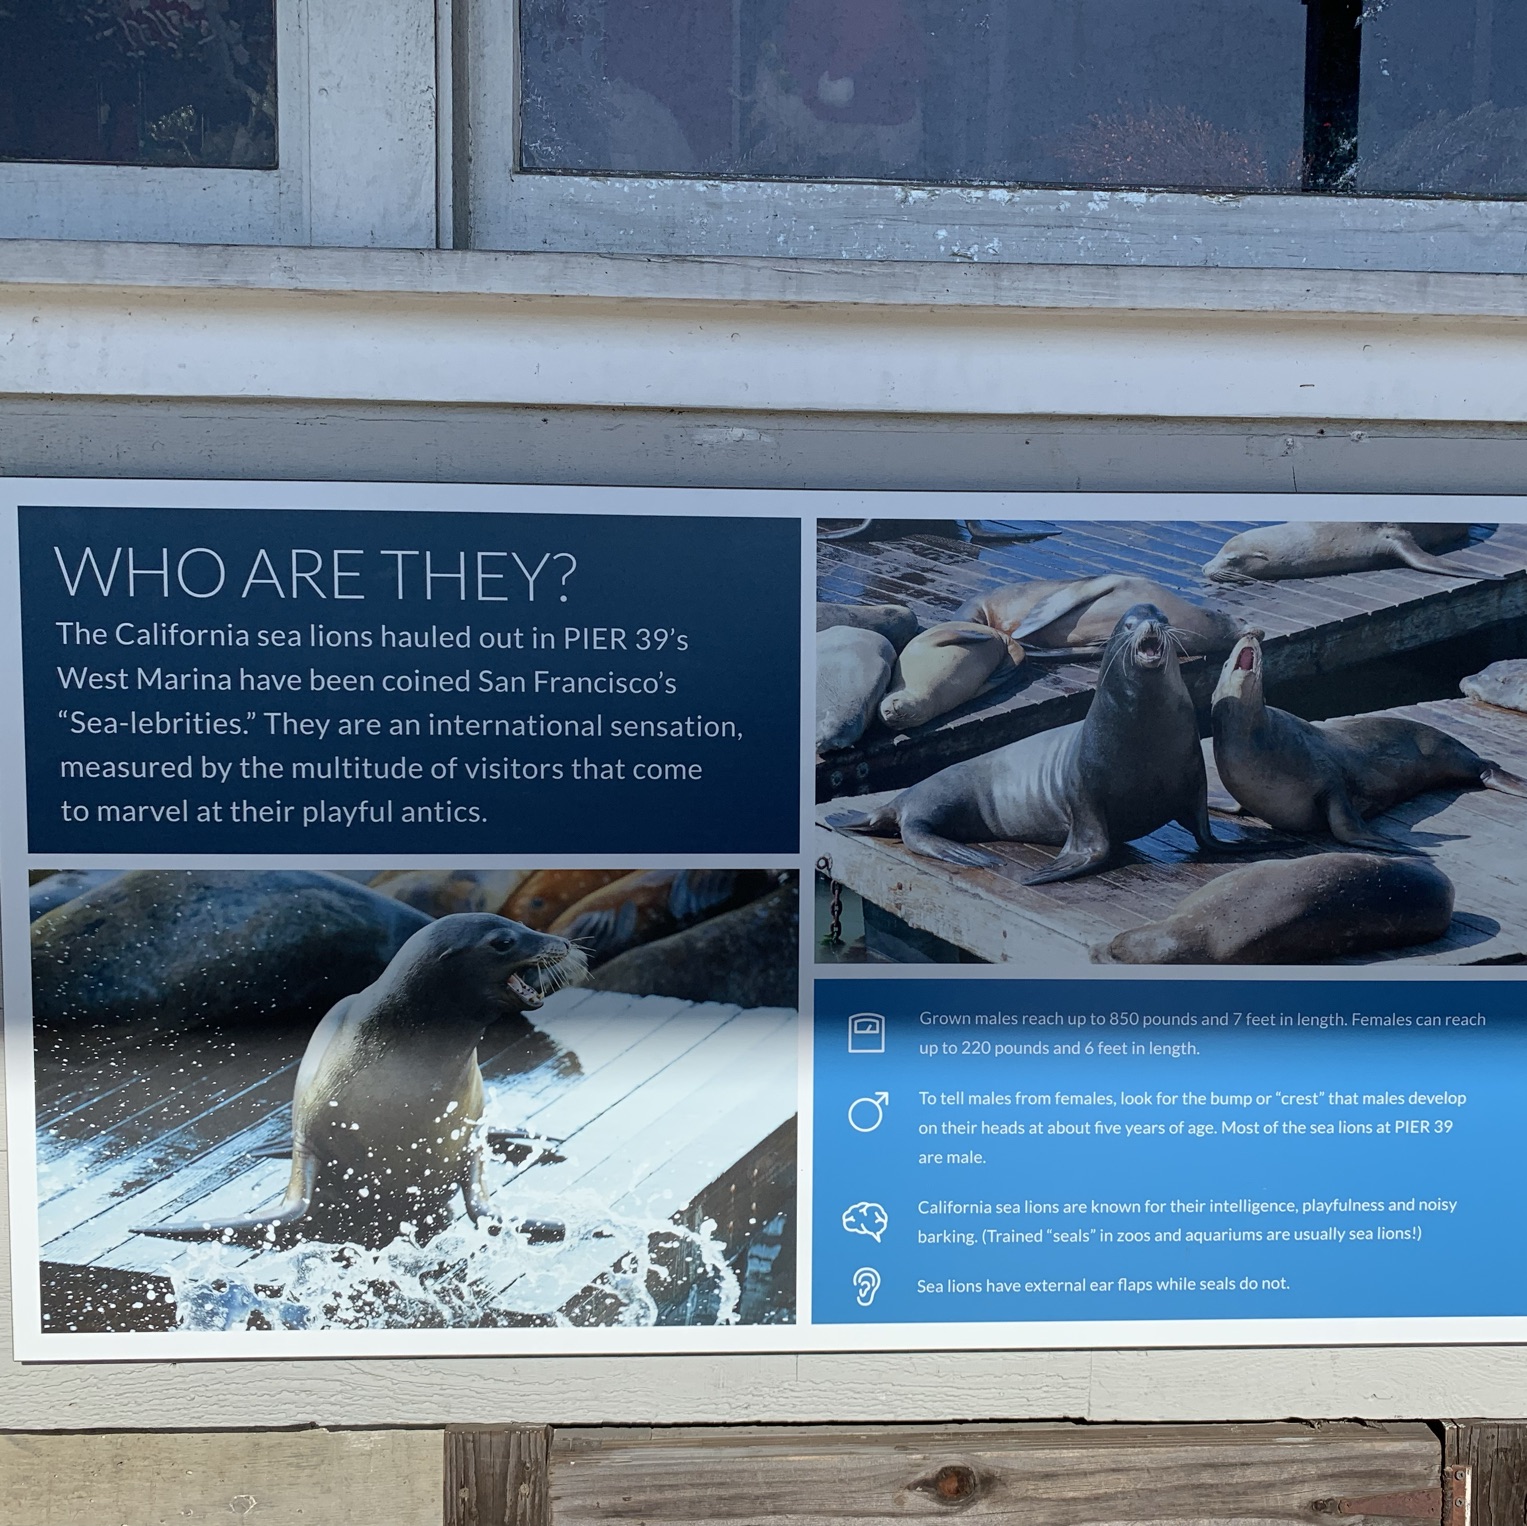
[866, 1219]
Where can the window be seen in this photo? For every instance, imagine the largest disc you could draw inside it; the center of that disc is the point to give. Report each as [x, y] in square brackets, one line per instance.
[148, 82]
[1215, 95]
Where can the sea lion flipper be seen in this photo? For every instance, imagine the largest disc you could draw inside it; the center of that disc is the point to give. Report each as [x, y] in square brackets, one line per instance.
[1409, 552]
[1493, 776]
[1060, 603]
[1346, 826]
[698, 891]
[881, 823]
[259, 1231]
[931, 845]
[1069, 864]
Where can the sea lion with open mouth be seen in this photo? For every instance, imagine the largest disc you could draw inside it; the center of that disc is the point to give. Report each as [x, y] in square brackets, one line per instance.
[389, 1094]
[1330, 777]
[1322, 548]
[1076, 618]
[1296, 911]
[1131, 766]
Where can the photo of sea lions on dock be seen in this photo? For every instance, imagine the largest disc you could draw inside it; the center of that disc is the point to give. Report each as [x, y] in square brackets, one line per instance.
[1184, 742]
[299, 1100]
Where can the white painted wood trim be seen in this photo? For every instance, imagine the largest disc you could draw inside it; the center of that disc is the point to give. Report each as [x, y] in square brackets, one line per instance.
[102, 341]
[760, 281]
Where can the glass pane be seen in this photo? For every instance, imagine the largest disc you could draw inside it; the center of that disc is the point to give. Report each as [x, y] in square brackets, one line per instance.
[163, 82]
[1224, 95]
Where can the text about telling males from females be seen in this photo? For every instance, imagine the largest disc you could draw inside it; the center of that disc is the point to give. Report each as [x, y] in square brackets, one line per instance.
[277, 681]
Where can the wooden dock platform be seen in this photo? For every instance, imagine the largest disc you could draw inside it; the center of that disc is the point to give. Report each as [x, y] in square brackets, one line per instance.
[1478, 838]
[632, 1107]
[1312, 625]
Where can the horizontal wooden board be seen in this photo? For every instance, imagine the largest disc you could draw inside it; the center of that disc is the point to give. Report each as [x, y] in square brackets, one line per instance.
[1042, 1475]
[273, 1478]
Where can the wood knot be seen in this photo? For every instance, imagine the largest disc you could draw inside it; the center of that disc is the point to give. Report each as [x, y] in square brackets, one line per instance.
[954, 1484]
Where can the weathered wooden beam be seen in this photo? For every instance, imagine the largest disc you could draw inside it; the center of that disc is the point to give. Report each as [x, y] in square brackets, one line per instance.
[1039, 1475]
[497, 1475]
[276, 1478]
[1495, 1454]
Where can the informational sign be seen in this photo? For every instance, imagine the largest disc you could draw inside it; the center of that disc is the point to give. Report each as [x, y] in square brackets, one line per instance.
[507, 920]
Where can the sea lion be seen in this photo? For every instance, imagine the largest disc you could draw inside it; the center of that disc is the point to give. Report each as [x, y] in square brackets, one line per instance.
[853, 669]
[1502, 683]
[749, 958]
[655, 903]
[1075, 619]
[389, 1093]
[543, 896]
[57, 889]
[1330, 777]
[443, 892]
[172, 948]
[1321, 548]
[1296, 911]
[942, 668]
[895, 622]
[1131, 766]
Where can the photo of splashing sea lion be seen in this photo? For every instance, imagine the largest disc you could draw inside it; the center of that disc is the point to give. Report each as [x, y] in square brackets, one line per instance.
[301, 1100]
[1058, 745]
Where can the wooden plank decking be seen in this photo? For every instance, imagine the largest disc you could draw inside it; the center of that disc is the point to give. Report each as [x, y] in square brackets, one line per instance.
[648, 1100]
[1312, 625]
[1478, 838]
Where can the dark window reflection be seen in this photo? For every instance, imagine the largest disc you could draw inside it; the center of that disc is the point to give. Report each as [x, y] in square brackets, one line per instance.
[1231, 95]
[148, 82]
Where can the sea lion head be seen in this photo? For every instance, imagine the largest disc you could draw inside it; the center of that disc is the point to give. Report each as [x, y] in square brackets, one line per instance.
[486, 956]
[1241, 677]
[1239, 560]
[1143, 634]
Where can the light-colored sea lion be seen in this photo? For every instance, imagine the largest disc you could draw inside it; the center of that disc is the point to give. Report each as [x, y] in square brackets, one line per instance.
[546, 894]
[56, 889]
[749, 957]
[942, 668]
[444, 892]
[172, 948]
[1330, 777]
[1296, 911]
[655, 903]
[853, 670]
[1321, 548]
[389, 1093]
[1502, 683]
[895, 622]
[1075, 619]
[1131, 766]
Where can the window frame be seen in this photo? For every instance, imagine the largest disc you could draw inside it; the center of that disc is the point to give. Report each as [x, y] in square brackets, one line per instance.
[501, 208]
[349, 122]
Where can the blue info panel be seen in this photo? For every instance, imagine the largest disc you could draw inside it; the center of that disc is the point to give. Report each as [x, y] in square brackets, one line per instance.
[296, 682]
[1080, 1150]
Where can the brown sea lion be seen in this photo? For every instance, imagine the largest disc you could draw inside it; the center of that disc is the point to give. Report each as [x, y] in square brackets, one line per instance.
[1296, 911]
[1322, 548]
[543, 896]
[655, 903]
[389, 1093]
[895, 622]
[171, 948]
[1075, 619]
[749, 958]
[444, 892]
[1330, 777]
[1131, 766]
[854, 668]
[942, 668]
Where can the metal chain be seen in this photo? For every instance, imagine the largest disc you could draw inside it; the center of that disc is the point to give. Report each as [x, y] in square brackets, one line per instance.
[834, 938]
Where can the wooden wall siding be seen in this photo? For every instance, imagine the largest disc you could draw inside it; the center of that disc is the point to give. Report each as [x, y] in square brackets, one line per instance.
[1312, 625]
[1476, 837]
[1495, 1454]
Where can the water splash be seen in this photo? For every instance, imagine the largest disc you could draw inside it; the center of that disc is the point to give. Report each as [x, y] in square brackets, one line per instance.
[609, 1269]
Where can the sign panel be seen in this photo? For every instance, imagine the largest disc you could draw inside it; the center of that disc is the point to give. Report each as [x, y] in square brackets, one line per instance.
[447, 920]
